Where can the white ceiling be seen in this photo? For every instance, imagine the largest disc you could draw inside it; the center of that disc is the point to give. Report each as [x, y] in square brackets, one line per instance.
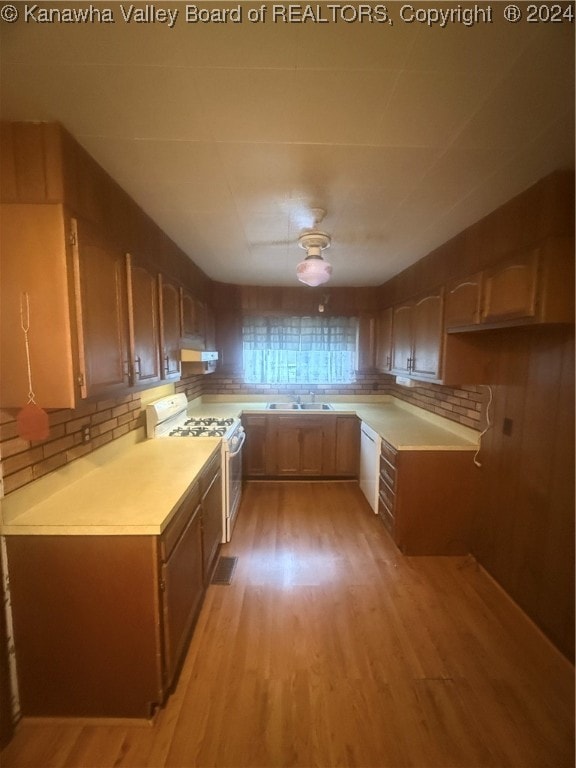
[227, 134]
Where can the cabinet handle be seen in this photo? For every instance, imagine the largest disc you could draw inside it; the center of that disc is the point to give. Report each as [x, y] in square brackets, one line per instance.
[167, 364]
[388, 361]
[409, 363]
[138, 367]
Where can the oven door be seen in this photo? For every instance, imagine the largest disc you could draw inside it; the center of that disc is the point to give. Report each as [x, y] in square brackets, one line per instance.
[232, 481]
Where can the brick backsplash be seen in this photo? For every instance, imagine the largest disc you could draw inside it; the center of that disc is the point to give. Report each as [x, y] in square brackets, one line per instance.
[24, 461]
[465, 405]
[365, 384]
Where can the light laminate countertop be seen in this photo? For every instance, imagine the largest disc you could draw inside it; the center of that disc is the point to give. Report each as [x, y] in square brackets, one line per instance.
[136, 488]
[403, 426]
[135, 493]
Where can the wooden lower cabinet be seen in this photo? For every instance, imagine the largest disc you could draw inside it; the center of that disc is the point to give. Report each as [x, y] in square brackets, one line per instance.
[427, 499]
[301, 445]
[255, 454]
[181, 581]
[347, 446]
[87, 625]
[102, 623]
[211, 501]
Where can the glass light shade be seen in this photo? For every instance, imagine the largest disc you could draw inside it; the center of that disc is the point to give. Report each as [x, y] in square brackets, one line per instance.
[314, 270]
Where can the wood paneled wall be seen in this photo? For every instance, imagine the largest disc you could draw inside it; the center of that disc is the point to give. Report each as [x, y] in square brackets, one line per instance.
[524, 530]
[543, 211]
[43, 163]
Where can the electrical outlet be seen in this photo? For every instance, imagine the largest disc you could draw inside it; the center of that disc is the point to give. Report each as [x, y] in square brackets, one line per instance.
[507, 426]
[86, 433]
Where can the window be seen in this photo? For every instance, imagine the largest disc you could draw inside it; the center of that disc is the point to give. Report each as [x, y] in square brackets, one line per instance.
[299, 350]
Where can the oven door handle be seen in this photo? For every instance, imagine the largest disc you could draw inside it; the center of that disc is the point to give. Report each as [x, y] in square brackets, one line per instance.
[239, 448]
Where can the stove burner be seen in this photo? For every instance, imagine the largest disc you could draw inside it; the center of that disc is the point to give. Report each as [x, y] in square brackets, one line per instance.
[208, 421]
[202, 427]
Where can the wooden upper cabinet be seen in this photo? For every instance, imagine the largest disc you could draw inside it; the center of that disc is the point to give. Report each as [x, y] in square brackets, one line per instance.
[402, 339]
[144, 319]
[417, 337]
[533, 287]
[384, 340]
[36, 267]
[366, 346]
[193, 320]
[463, 302]
[101, 307]
[427, 336]
[510, 289]
[170, 330]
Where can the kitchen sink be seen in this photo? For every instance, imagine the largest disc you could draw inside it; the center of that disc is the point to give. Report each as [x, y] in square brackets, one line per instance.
[300, 406]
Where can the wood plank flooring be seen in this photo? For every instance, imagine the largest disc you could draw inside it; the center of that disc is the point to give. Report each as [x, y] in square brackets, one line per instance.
[330, 648]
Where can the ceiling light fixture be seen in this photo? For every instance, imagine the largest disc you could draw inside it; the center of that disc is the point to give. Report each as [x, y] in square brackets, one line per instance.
[314, 270]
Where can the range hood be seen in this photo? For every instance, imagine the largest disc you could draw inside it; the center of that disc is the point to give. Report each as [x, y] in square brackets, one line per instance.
[199, 360]
[198, 355]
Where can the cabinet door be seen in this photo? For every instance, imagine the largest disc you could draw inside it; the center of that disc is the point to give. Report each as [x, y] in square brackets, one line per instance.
[170, 328]
[510, 289]
[287, 445]
[301, 445]
[210, 329]
[462, 302]
[384, 340]
[101, 306]
[402, 339]
[366, 343]
[427, 336]
[193, 320]
[347, 448]
[312, 446]
[32, 236]
[256, 451]
[211, 519]
[182, 590]
[144, 322]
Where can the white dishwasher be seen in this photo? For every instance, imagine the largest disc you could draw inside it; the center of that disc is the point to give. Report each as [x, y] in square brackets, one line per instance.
[370, 464]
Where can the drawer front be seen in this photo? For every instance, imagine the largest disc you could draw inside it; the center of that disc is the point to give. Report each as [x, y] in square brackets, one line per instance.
[208, 474]
[387, 473]
[387, 493]
[388, 453]
[179, 522]
[386, 514]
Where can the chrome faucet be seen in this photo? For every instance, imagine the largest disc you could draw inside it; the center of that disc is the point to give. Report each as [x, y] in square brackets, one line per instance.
[312, 396]
[297, 399]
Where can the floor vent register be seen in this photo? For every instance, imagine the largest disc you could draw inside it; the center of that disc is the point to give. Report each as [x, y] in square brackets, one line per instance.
[224, 570]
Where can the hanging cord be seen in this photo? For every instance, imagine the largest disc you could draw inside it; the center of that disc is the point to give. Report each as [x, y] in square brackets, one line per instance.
[25, 325]
[486, 428]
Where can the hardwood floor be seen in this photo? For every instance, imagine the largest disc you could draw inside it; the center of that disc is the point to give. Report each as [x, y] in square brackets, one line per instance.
[330, 648]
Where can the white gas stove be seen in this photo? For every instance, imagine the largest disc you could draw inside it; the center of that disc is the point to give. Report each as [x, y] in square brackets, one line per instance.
[168, 417]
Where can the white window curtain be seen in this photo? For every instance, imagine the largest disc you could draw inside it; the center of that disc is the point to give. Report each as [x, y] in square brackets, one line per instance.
[299, 350]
